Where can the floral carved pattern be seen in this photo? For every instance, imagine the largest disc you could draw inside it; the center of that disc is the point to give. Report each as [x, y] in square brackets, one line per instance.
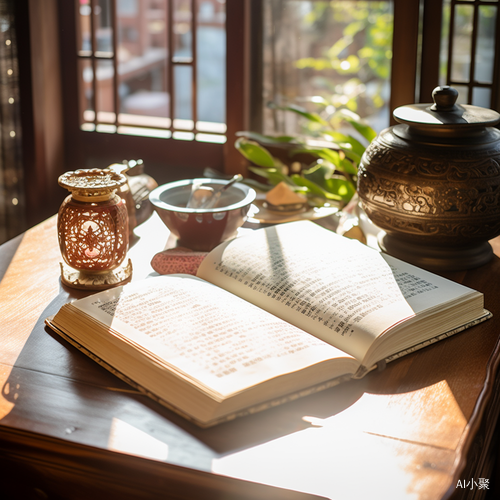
[93, 240]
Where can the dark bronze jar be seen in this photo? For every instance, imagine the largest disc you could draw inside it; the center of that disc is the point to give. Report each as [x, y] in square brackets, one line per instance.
[432, 183]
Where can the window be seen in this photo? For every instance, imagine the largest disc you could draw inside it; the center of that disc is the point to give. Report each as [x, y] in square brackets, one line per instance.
[468, 59]
[372, 56]
[158, 68]
[147, 79]
[324, 56]
[171, 140]
[52, 115]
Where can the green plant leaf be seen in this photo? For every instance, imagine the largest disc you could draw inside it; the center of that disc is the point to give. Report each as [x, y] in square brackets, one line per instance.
[348, 166]
[314, 188]
[325, 153]
[259, 186]
[313, 117]
[355, 27]
[344, 141]
[342, 187]
[323, 174]
[319, 173]
[352, 118]
[267, 139]
[254, 152]
[352, 156]
[366, 52]
[273, 175]
[340, 45]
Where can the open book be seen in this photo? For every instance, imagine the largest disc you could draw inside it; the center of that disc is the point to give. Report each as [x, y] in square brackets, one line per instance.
[280, 313]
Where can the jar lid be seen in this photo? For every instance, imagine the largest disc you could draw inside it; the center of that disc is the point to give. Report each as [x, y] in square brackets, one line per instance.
[92, 184]
[445, 114]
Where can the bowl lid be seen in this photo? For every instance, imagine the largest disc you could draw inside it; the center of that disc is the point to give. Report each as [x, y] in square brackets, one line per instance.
[445, 113]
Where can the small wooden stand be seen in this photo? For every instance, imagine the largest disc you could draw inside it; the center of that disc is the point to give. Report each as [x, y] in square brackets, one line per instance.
[98, 280]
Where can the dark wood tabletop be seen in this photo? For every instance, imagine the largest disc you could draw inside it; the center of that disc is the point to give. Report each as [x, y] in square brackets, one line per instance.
[70, 429]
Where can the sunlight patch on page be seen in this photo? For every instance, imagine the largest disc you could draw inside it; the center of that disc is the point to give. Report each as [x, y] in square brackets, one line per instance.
[216, 345]
[347, 292]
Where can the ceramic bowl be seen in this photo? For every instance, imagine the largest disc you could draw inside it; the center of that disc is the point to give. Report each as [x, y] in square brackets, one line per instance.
[202, 229]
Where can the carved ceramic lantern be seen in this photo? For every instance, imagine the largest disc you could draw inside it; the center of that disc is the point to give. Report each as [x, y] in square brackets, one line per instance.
[93, 230]
[432, 183]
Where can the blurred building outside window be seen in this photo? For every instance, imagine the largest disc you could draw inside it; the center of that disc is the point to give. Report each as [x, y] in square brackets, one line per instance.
[168, 75]
[155, 59]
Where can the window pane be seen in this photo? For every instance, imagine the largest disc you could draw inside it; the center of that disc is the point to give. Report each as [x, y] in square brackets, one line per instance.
[142, 52]
[481, 97]
[86, 90]
[137, 78]
[463, 94]
[485, 51]
[104, 90]
[462, 41]
[183, 98]
[127, 8]
[211, 62]
[326, 56]
[104, 30]
[84, 39]
[183, 38]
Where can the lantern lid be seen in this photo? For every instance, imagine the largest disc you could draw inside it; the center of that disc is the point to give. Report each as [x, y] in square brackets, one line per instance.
[445, 114]
[92, 183]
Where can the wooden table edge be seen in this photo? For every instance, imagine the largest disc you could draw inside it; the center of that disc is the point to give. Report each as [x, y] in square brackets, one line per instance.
[155, 478]
[472, 429]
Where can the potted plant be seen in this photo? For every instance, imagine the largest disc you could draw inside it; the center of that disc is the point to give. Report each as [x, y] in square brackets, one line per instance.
[324, 170]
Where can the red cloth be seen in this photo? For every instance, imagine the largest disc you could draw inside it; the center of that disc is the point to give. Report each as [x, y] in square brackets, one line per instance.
[177, 261]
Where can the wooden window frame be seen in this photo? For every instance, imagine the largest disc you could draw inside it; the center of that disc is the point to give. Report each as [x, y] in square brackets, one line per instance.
[166, 159]
[471, 82]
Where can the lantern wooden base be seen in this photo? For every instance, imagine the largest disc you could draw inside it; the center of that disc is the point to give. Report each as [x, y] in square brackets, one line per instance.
[84, 280]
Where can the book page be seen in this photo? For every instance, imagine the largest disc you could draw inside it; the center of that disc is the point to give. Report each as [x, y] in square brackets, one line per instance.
[205, 332]
[335, 288]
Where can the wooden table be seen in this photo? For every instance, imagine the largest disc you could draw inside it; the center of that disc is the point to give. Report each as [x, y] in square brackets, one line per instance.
[69, 429]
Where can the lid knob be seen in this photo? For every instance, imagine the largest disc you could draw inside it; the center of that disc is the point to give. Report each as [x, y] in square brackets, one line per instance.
[444, 98]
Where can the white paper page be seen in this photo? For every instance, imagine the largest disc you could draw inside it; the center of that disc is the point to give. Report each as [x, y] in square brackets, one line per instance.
[207, 333]
[423, 289]
[330, 286]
